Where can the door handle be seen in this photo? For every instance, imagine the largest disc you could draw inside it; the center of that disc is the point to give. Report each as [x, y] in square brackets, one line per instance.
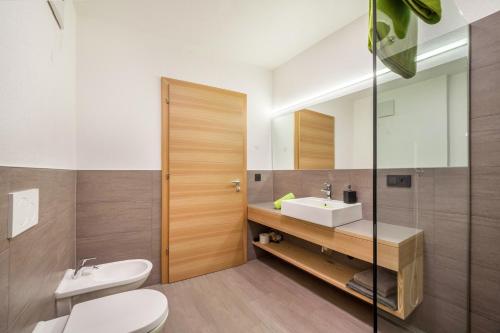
[237, 184]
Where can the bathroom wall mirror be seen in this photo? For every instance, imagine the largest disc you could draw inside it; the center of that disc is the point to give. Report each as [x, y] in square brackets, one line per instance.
[337, 133]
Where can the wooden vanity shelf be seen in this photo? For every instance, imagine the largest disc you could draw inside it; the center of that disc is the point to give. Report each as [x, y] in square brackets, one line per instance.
[399, 249]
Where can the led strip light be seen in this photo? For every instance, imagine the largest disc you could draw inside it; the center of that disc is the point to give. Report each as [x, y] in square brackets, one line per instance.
[364, 79]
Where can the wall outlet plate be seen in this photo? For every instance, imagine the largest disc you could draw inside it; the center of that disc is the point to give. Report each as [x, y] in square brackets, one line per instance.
[23, 211]
[399, 181]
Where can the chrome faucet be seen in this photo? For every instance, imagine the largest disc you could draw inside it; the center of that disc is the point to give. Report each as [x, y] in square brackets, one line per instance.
[80, 266]
[327, 189]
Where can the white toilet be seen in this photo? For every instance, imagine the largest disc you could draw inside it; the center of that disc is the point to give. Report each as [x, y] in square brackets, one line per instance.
[138, 311]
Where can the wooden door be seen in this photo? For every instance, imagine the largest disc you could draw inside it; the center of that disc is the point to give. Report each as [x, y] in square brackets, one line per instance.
[314, 140]
[204, 151]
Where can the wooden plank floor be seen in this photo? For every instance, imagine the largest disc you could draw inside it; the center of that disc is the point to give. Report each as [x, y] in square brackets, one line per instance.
[265, 295]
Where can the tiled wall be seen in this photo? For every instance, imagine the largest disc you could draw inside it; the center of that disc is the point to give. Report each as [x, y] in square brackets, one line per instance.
[485, 167]
[438, 203]
[118, 217]
[33, 263]
[260, 191]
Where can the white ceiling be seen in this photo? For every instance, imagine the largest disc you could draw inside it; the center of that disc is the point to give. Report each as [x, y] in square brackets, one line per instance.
[265, 33]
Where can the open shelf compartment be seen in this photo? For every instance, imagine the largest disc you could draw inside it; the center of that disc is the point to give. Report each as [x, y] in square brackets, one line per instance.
[334, 273]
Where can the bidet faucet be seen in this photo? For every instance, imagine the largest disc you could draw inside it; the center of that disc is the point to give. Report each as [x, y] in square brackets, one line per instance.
[80, 266]
[327, 189]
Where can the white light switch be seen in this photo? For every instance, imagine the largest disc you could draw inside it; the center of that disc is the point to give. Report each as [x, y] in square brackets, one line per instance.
[23, 211]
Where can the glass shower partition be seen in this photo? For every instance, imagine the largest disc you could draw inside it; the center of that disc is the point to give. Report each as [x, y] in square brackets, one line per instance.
[421, 166]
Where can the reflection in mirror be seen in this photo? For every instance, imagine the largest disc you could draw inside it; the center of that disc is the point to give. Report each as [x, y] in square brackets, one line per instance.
[436, 99]
[423, 122]
[282, 129]
[314, 140]
[339, 130]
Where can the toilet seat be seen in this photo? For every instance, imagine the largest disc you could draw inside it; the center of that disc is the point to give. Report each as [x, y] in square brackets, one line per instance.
[136, 311]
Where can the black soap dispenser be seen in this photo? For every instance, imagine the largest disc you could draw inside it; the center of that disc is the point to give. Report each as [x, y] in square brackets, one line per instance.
[350, 196]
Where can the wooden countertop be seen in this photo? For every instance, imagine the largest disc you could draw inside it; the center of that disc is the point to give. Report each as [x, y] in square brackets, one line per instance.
[392, 235]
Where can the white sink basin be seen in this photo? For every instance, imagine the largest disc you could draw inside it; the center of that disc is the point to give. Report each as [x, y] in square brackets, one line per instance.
[325, 212]
[129, 274]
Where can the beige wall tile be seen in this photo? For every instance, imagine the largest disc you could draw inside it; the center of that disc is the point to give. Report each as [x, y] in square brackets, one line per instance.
[260, 191]
[312, 181]
[484, 90]
[114, 247]
[4, 208]
[119, 216]
[437, 315]
[485, 288]
[100, 218]
[285, 181]
[451, 235]
[485, 166]
[485, 237]
[485, 42]
[115, 185]
[482, 324]
[156, 185]
[4, 290]
[395, 215]
[485, 192]
[36, 259]
[485, 141]
[446, 279]
[361, 177]
[451, 190]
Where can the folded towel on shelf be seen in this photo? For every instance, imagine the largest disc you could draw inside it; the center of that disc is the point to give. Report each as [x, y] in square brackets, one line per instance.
[391, 301]
[387, 282]
[277, 203]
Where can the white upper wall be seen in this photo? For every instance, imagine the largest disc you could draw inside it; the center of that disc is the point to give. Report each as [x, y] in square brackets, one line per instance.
[37, 86]
[458, 119]
[258, 32]
[362, 154]
[343, 57]
[416, 134]
[118, 77]
[477, 9]
[283, 142]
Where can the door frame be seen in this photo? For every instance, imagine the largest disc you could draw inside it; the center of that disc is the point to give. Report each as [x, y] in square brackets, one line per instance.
[165, 181]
